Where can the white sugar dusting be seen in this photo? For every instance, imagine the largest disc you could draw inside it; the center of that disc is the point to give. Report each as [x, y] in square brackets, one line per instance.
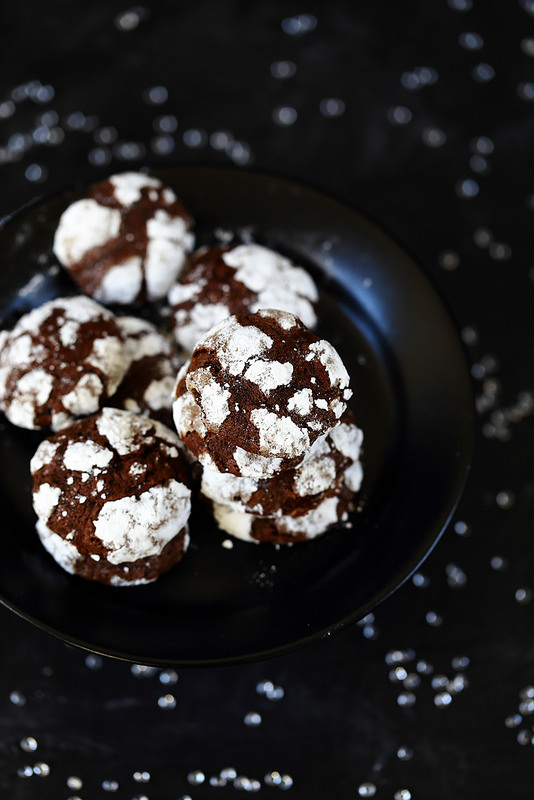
[45, 499]
[315, 522]
[255, 466]
[109, 355]
[268, 375]
[301, 402]
[285, 319]
[127, 186]
[86, 456]
[85, 396]
[279, 436]
[139, 527]
[223, 487]
[316, 474]
[278, 283]
[84, 225]
[213, 398]
[143, 339]
[347, 439]
[168, 242]
[193, 325]
[68, 333]
[331, 361]
[33, 389]
[233, 522]
[236, 344]
[44, 455]
[62, 551]
[122, 283]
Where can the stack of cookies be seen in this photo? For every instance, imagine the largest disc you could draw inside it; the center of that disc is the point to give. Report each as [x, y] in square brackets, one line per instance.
[262, 407]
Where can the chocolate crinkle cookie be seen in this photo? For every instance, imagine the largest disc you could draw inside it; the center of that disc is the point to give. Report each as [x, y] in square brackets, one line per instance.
[126, 241]
[112, 498]
[260, 386]
[223, 281]
[261, 406]
[154, 361]
[61, 361]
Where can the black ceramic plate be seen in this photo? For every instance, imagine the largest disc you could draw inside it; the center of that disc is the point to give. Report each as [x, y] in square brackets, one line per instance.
[412, 397]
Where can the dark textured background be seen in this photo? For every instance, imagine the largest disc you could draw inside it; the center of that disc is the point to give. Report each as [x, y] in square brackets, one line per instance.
[339, 729]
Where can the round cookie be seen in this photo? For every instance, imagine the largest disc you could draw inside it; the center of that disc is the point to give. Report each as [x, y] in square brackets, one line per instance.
[260, 385]
[126, 240]
[149, 382]
[332, 463]
[61, 361]
[224, 281]
[111, 496]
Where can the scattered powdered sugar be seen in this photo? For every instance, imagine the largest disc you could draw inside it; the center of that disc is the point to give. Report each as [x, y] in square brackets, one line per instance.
[353, 476]
[183, 292]
[187, 416]
[119, 429]
[168, 242]
[109, 356]
[143, 339]
[285, 319]
[158, 393]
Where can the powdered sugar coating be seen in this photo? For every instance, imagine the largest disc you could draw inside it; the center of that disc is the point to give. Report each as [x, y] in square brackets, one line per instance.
[126, 241]
[59, 362]
[262, 384]
[225, 281]
[114, 487]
